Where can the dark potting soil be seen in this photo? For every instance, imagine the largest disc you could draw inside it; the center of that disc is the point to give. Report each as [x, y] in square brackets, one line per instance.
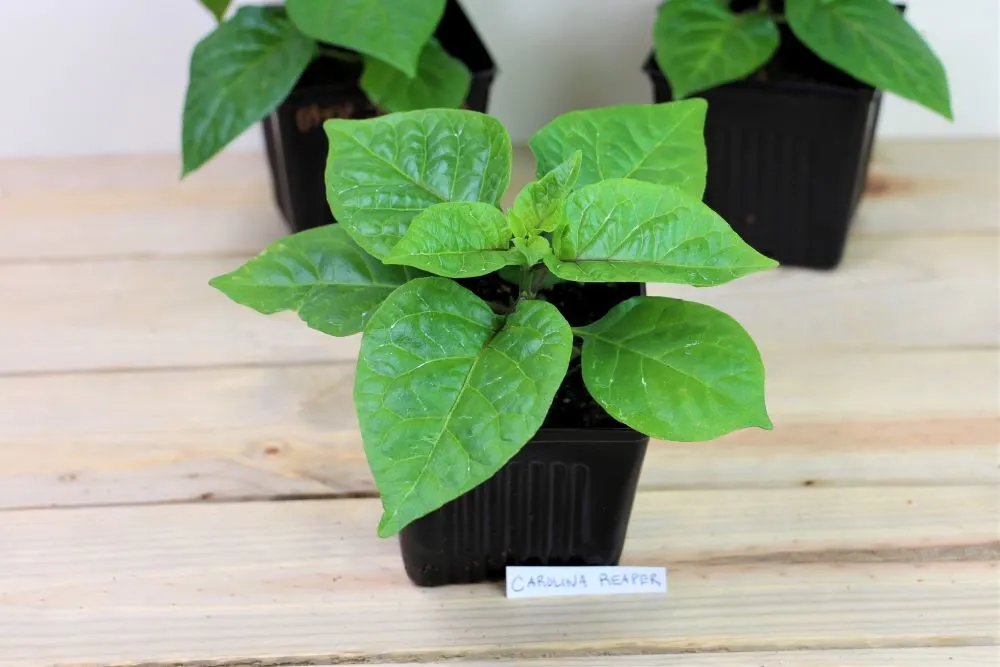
[795, 62]
[580, 304]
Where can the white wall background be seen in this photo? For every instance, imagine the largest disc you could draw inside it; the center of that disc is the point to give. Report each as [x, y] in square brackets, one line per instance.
[108, 76]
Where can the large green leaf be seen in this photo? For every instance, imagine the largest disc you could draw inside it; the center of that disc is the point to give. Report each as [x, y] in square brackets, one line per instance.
[394, 31]
[322, 274]
[447, 391]
[538, 206]
[240, 73]
[383, 171]
[674, 370]
[630, 231]
[871, 41]
[217, 7]
[701, 44]
[441, 82]
[660, 143]
[456, 240]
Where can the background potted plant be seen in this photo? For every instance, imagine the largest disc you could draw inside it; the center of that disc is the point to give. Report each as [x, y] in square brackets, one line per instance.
[507, 423]
[296, 65]
[794, 88]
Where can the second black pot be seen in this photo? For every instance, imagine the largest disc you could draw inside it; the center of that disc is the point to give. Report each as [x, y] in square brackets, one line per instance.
[788, 154]
[296, 143]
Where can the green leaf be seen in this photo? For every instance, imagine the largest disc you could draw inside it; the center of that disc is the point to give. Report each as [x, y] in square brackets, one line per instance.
[456, 240]
[393, 31]
[660, 143]
[240, 73]
[441, 82]
[447, 391]
[631, 231]
[871, 41]
[320, 273]
[217, 7]
[674, 370]
[383, 171]
[701, 44]
[533, 250]
[539, 205]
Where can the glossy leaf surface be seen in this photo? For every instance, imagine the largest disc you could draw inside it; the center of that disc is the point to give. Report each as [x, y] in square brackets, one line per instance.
[674, 370]
[701, 44]
[383, 171]
[456, 240]
[320, 273]
[659, 143]
[631, 231]
[441, 82]
[394, 31]
[239, 74]
[871, 41]
[447, 391]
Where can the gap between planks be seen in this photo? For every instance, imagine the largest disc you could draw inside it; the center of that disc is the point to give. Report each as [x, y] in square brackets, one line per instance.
[904, 656]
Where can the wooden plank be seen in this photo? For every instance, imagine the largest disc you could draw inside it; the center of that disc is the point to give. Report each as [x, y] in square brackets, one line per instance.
[124, 206]
[961, 656]
[250, 433]
[101, 315]
[135, 206]
[931, 187]
[789, 569]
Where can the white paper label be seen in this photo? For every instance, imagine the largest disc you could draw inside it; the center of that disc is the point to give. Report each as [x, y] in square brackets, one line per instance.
[540, 581]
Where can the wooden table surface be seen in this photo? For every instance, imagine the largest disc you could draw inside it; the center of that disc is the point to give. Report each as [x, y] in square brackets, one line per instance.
[182, 482]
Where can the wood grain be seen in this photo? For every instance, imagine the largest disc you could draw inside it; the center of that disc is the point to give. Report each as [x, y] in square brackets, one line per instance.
[775, 570]
[253, 433]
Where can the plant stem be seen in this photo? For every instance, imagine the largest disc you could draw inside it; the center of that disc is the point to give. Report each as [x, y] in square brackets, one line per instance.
[342, 55]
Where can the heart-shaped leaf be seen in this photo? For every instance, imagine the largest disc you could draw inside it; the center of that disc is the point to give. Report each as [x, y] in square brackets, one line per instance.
[456, 240]
[871, 41]
[674, 370]
[701, 44]
[394, 31]
[383, 171]
[447, 391]
[322, 274]
[538, 206]
[441, 82]
[240, 73]
[659, 143]
[630, 231]
[217, 7]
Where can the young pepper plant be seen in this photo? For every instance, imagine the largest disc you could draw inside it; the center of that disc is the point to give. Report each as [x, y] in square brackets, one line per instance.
[700, 44]
[245, 68]
[450, 387]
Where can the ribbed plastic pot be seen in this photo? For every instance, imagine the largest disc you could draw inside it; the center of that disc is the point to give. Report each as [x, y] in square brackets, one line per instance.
[294, 137]
[788, 159]
[565, 499]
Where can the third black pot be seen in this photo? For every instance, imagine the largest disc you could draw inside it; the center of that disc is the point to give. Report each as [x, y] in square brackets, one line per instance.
[296, 143]
[788, 153]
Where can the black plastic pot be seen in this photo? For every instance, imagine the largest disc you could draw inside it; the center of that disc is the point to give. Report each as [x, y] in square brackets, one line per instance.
[788, 153]
[296, 143]
[565, 499]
